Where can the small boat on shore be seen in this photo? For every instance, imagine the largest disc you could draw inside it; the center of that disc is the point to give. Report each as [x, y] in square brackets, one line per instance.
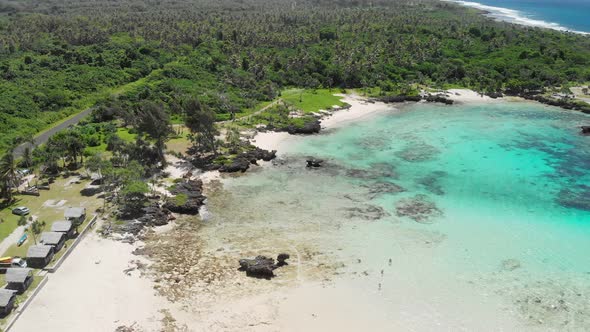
[22, 239]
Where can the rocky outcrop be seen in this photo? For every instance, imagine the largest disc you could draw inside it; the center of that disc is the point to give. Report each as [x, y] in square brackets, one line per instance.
[415, 98]
[399, 99]
[242, 162]
[439, 99]
[187, 197]
[495, 95]
[310, 127]
[262, 267]
[153, 215]
[313, 162]
[585, 130]
[567, 103]
[237, 165]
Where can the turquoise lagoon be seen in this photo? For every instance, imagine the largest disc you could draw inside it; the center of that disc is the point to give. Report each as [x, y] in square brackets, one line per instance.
[479, 208]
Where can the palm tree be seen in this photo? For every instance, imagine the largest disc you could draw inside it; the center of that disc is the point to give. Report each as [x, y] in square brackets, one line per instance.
[8, 175]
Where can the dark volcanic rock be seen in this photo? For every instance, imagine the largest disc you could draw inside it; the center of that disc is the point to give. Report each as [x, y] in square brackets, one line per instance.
[567, 103]
[188, 197]
[439, 99]
[281, 259]
[495, 95]
[243, 161]
[313, 162]
[153, 215]
[367, 212]
[586, 130]
[237, 165]
[311, 127]
[262, 267]
[399, 99]
[418, 208]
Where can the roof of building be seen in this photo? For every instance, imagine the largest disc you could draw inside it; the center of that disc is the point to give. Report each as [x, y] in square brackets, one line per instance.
[5, 297]
[61, 226]
[74, 212]
[39, 251]
[51, 238]
[18, 274]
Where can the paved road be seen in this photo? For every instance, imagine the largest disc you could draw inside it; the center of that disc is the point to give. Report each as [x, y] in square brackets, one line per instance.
[43, 137]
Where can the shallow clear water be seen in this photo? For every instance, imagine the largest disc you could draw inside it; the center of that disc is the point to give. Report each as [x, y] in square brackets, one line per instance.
[493, 170]
[495, 197]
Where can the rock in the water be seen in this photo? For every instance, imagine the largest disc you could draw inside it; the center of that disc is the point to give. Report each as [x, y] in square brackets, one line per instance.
[188, 197]
[418, 208]
[510, 264]
[313, 162]
[586, 130]
[243, 161]
[281, 259]
[262, 267]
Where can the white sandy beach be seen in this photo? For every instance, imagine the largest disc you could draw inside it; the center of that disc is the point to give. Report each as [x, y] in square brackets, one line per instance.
[360, 109]
[91, 292]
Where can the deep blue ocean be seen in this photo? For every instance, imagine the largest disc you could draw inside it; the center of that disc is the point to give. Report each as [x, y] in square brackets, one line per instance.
[564, 14]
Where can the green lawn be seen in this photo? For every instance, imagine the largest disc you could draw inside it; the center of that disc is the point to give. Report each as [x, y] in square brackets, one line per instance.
[312, 100]
[59, 191]
[180, 143]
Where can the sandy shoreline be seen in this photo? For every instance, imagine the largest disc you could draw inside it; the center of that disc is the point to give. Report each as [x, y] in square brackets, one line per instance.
[91, 292]
[360, 110]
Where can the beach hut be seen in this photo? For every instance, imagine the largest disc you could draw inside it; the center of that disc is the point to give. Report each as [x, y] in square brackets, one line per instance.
[76, 215]
[65, 227]
[54, 239]
[7, 298]
[19, 279]
[39, 255]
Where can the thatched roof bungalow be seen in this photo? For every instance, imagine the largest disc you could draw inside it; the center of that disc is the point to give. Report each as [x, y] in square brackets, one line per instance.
[19, 279]
[39, 255]
[76, 215]
[64, 226]
[54, 239]
[7, 299]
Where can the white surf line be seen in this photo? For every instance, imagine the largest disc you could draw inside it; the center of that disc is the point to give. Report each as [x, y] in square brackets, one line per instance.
[514, 16]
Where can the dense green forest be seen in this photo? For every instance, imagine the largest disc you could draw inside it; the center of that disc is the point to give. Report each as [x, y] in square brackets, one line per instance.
[58, 57]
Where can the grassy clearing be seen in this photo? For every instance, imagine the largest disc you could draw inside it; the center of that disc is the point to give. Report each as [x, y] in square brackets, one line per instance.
[180, 142]
[312, 100]
[61, 189]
